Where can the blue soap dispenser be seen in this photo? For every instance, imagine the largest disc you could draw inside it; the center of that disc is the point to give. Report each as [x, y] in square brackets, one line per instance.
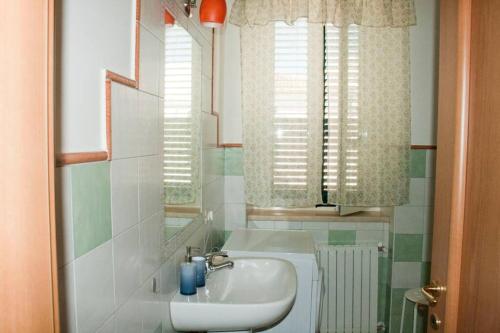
[188, 275]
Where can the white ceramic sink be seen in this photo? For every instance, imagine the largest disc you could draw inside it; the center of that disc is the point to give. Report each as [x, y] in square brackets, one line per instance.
[256, 293]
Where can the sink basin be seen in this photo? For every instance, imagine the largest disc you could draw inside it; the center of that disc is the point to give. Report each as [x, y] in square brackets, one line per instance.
[256, 293]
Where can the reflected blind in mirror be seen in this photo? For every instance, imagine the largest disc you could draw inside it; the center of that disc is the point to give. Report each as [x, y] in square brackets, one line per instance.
[178, 118]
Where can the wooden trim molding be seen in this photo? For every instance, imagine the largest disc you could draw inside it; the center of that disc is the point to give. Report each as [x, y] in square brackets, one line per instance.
[84, 157]
[63, 159]
[423, 147]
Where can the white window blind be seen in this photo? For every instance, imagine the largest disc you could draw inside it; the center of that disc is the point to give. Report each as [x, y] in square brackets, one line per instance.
[341, 108]
[178, 140]
[290, 106]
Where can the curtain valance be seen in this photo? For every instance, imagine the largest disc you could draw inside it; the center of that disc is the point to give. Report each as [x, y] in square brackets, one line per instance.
[368, 13]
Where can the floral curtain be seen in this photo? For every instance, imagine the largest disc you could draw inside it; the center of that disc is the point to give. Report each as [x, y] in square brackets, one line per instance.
[260, 126]
[372, 165]
[373, 117]
[368, 13]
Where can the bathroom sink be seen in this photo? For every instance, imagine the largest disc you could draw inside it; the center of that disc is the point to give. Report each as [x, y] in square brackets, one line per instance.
[255, 293]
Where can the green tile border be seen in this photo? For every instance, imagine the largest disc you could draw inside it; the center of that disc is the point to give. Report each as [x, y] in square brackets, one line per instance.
[91, 205]
[418, 163]
[233, 161]
[408, 247]
[341, 237]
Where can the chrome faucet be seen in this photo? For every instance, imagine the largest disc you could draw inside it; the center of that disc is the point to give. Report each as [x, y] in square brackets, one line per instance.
[211, 267]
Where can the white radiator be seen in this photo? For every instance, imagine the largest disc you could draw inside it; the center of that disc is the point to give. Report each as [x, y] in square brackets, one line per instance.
[350, 288]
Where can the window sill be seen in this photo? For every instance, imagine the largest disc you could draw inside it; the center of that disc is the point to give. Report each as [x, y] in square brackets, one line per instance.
[318, 215]
[182, 211]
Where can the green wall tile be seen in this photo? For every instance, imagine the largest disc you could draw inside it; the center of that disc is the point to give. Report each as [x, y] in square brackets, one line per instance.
[233, 162]
[408, 247]
[220, 162]
[418, 161]
[341, 237]
[425, 272]
[91, 201]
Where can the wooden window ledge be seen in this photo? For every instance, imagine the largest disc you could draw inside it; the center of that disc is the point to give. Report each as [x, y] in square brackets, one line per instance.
[317, 215]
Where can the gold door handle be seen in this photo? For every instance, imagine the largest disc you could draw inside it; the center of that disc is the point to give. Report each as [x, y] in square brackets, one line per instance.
[433, 292]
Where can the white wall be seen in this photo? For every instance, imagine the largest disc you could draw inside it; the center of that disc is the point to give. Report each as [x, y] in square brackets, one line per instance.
[96, 35]
[111, 248]
[424, 39]
[424, 43]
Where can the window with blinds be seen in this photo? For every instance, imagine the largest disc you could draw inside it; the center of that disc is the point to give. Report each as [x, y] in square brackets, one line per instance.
[341, 127]
[341, 130]
[290, 106]
[178, 136]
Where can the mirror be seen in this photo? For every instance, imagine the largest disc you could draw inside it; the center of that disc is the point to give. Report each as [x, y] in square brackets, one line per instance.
[181, 129]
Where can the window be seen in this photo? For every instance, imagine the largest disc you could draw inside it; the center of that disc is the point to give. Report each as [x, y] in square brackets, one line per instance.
[180, 139]
[290, 109]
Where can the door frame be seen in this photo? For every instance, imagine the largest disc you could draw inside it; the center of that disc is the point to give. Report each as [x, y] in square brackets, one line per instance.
[28, 265]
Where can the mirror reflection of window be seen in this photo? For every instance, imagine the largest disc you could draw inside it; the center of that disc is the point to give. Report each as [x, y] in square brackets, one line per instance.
[182, 117]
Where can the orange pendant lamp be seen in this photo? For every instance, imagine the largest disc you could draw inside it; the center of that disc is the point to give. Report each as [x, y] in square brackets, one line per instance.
[169, 19]
[213, 13]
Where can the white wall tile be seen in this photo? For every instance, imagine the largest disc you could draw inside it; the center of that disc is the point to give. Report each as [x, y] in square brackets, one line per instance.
[406, 274]
[213, 194]
[235, 216]
[125, 131]
[67, 302]
[149, 124]
[129, 316]
[151, 308]
[150, 233]
[127, 264]
[64, 231]
[109, 326]
[428, 220]
[370, 236]
[429, 192]
[149, 117]
[150, 186]
[152, 14]
[149, 63]
[168, 288]
[234, 189]
[311, 225]
[287, 225]
[94, 288]
[320, 236]
[417, 192]
[124, 194]
[341, 226]
[212, 167]
[409, 220]
[261, 225]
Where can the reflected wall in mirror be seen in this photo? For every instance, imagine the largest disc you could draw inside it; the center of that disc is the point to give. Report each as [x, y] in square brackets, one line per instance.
[182, 129]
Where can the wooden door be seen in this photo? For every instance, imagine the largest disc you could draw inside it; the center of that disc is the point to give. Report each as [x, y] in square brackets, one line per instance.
[28, 269]
[466, 244]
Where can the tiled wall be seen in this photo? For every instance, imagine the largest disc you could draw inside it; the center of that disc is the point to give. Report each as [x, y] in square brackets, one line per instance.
[405, 263]
[411, 238]
[116, 271]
